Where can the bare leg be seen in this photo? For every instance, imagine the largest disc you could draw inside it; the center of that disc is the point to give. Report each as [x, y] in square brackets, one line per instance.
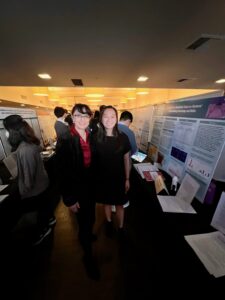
[108, 212]
[120, 215]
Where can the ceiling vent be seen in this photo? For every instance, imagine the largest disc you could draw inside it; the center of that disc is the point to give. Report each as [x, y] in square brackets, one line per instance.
[77, 82]
[182, 79]
[204, 38]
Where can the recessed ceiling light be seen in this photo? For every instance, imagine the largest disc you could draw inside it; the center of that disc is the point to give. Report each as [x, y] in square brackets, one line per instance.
[44, 76]
[142, 78]
[131, 98]
[142, 93]
[94, 100]
[40, 94]
[22, 104]
[53, 100]
[94, 95]
[220, 80]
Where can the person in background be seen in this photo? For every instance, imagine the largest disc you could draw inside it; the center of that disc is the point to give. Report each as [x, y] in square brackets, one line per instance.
[61, 127]
[126, 118]
[69, 121]
[112, 161]
[94, 123]
[74, 167]
[33, 181]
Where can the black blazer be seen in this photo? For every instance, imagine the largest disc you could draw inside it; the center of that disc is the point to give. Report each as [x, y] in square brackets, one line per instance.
[74, 178]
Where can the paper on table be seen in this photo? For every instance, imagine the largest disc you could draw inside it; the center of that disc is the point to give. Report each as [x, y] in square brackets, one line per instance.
[145, 167]
[3, 186]
[210, 247]
[174, 205]
[181, 203]
[218, 220]
[2, 197]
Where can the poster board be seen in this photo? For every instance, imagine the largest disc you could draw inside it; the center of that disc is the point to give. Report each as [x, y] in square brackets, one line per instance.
[142, 118]
[188, 137]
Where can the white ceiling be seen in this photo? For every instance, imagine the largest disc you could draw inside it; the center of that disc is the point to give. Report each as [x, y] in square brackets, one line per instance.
[111, 43]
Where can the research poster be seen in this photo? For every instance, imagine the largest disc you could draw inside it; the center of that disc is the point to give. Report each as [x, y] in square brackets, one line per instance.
[188, 137]
[142, 118]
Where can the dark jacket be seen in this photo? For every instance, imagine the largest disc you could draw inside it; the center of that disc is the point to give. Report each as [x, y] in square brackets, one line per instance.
[74, 179]
[61, 129]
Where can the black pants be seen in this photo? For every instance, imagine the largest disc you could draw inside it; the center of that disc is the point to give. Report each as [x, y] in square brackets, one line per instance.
[86, 220]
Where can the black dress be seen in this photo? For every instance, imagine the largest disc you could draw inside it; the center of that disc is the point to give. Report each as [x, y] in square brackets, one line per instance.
[110, 170]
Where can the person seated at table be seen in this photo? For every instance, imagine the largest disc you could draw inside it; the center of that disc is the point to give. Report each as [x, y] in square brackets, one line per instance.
[33, 181]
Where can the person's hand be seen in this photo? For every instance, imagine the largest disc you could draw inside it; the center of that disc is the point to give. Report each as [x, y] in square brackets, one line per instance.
[127, 185]
[74, 208]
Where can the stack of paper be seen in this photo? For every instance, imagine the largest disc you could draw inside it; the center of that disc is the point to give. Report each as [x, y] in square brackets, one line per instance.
[210, 247]
[145, 167]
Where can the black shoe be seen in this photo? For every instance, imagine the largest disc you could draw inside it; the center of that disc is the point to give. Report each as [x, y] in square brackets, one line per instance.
[109, 229]
[42, 236]
[91, 268]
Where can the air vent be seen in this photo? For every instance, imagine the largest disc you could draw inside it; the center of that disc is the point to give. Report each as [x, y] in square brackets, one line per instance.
[199, 42]
[77, 82]
[204, 38]
[182, 79]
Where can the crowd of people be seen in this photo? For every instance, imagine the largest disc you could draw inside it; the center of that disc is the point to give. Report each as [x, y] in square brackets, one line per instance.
[93, 166]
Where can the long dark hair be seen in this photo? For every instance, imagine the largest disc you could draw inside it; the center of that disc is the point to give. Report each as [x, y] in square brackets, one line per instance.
[101, 134]
[19, 131]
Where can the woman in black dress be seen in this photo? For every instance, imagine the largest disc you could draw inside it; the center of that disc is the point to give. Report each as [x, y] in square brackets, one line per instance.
[113, 167]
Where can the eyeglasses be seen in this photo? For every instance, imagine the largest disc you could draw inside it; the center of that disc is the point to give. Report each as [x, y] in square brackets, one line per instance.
[82, 117]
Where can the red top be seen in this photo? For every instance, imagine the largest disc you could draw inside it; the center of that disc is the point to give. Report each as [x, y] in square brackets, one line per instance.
[72, 130]
[85, 146]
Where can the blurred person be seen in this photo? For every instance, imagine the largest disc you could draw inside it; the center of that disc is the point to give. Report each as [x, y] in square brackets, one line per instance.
[94, 122]
[126, 118]
[33, 181]
[61, 126]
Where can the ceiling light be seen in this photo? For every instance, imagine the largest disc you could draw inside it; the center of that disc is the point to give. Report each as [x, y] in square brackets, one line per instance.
[94, 95]
[94, 100]
[44, 76]
[142, 93]
[142, 78]
[220, 80]
[22, 104]
[40, 94]
[131, 98]
[54, 100]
